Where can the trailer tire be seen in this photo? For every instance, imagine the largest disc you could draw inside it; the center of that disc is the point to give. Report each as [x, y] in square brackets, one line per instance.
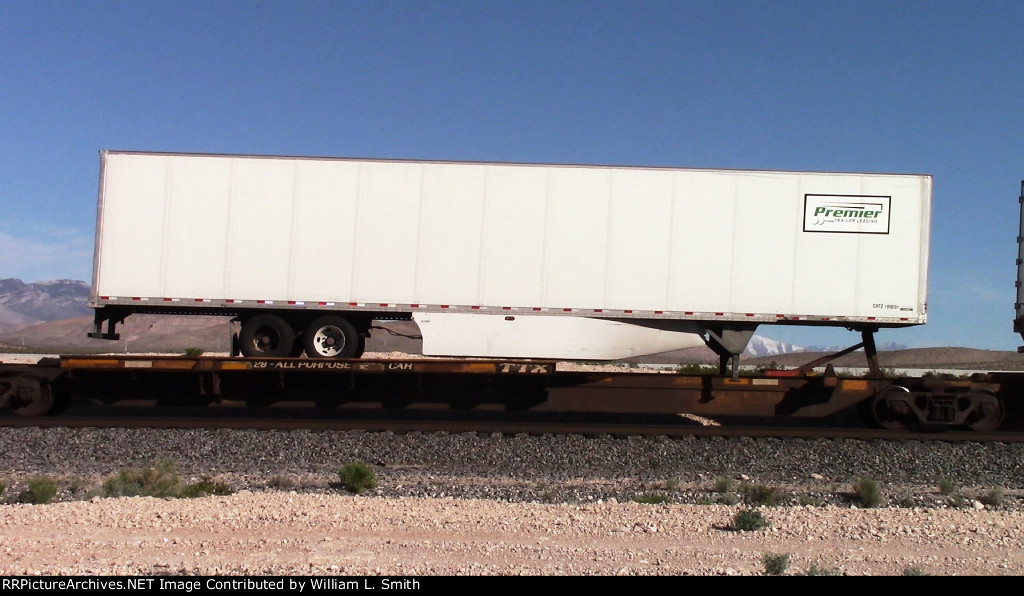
[331, 336]
[267, 336]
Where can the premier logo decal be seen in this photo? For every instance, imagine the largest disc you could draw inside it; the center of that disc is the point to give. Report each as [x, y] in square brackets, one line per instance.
[846, 214]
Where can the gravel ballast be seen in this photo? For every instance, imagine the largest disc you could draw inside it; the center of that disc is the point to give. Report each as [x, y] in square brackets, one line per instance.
[495, 504]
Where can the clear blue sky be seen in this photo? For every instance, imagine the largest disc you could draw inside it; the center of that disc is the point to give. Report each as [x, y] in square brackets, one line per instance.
[934, 87]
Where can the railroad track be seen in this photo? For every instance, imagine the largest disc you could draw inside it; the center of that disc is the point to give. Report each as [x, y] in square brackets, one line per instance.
[425, 421]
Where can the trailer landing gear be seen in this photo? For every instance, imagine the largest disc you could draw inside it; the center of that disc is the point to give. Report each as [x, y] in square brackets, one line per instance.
[729, 342]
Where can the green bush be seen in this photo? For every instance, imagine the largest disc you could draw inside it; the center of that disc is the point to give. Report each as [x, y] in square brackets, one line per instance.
[357, 477]
[775, 563]
[723, 484]
[728, 499]
[204, 488]
[749, 520]
[759, 494]
[946, 487]
[883, 373]
[41, 489]
[652, 499]
[866, 493]
[992, 498]
[913, 571]
[808, 501]
[696, 369]
[193, 352]
[159, 481]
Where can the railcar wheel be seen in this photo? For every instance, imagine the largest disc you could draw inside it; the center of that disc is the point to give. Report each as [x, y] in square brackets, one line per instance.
[267, 336]
[33, 398]
[890, 409]
[331, 336]
[988, 412]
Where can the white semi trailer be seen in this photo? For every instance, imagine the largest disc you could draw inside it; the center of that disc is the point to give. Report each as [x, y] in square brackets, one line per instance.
[504, 259]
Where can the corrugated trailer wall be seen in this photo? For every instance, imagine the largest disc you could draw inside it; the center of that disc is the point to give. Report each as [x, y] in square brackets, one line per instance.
[497, 235]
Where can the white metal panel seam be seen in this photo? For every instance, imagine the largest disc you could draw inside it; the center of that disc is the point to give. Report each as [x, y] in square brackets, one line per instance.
[360, 189]
[168, 178]
[671, 281]
[547, 237]
[485, 199]
[731, 307]
[292, 231]
[609, 239]
[801, 237]
[227, 224]
[421, 199]
[859, 258]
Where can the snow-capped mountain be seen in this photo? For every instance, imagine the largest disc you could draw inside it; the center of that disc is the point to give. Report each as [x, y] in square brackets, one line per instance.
[764, 346]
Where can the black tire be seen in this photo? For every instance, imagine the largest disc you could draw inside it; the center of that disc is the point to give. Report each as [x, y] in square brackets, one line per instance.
[266, 336]
[331, 336]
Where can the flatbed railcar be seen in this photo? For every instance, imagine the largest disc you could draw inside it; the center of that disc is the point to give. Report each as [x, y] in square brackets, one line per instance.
[900, 402]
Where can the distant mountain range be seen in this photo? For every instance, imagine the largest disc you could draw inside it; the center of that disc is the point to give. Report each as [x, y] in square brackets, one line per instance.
[23, 305]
